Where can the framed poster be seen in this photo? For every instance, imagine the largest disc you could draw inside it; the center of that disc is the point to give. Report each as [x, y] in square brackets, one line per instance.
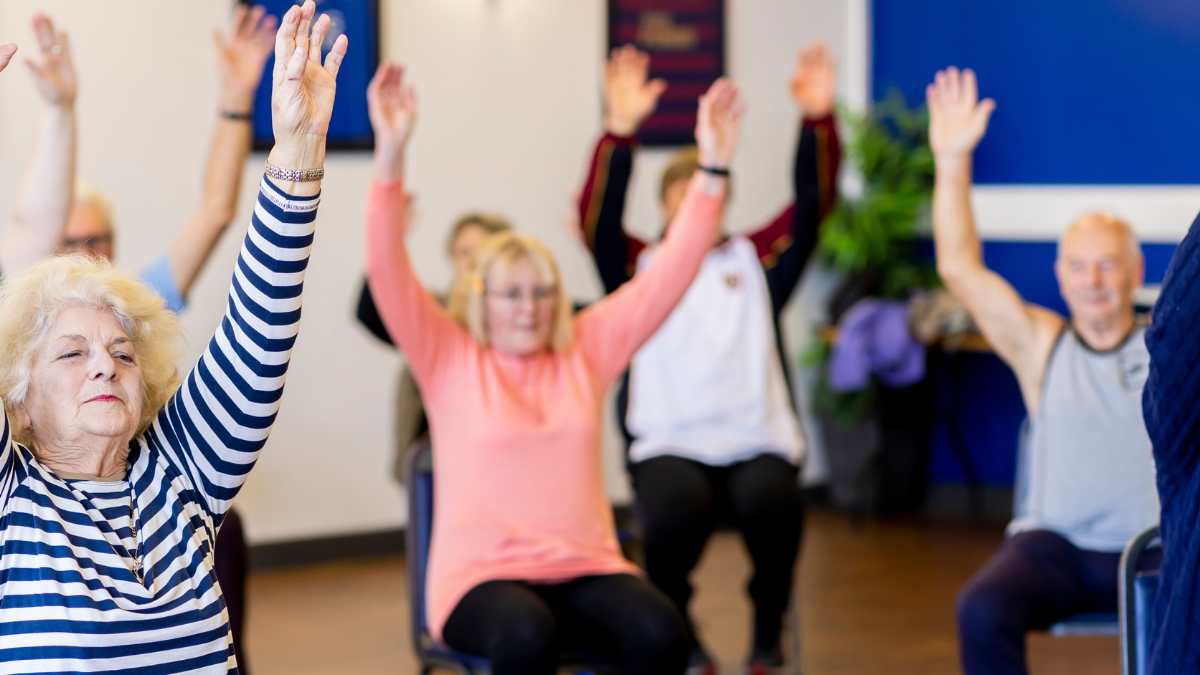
[686, 43]
[350, 127]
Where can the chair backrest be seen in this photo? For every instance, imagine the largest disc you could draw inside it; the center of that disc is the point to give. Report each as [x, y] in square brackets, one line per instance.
[419, 469]
[1138, 587]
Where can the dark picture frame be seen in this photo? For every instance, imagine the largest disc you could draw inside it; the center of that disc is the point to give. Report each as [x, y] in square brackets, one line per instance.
[686, 43]
[350, 127]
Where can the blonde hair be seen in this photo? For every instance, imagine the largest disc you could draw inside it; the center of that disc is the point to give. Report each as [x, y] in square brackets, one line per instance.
[679, 167]
[31, 302]
[491, 223]
[87, 194]
[507, 248]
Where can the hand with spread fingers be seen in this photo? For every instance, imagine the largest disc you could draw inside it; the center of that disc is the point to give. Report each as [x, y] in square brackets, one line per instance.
[719, 123]
[242, 53]
[629, 95]
[957, 118]
[814, 81]
[54, 72]
[303, 89]
[392, 105]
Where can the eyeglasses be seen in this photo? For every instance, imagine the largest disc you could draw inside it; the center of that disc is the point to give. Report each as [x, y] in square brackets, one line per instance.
[515, 295]
[90, 242]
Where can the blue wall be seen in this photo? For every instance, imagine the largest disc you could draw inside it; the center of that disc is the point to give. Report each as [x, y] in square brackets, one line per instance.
[1087, 91]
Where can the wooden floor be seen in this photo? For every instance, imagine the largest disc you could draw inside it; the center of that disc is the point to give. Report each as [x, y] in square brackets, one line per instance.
[873, 599]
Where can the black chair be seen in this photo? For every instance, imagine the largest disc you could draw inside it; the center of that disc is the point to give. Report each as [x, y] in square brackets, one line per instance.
[419, 534]
[1138, 587]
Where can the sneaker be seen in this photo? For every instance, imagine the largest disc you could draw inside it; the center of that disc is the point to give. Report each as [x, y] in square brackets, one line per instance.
[700, 663]
[765, 662]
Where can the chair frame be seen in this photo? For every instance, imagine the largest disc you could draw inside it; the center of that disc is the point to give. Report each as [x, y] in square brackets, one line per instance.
[1130, 558]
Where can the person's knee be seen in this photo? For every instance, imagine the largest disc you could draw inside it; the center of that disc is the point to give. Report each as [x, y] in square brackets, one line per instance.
[672, 496]
[773, 496]
[982, 609]
[657, 636]
[529, 641]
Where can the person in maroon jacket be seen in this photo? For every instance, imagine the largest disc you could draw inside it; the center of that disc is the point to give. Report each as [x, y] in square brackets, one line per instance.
[707, 408]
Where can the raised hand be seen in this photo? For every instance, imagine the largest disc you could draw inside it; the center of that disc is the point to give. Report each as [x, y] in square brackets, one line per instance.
[957, 118]
[242, 55]
[719, 123]
[629, 97]
[392, 106]
[813, 80]
[302, 89]
[6, 54]
[54, 74]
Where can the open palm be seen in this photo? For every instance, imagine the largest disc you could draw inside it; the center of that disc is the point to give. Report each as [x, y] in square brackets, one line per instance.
[392, 106]
[719, 123]
[54, 74]
[813, 80]
[302, 89]
[957, 118]
[629, 95]
[242, 54]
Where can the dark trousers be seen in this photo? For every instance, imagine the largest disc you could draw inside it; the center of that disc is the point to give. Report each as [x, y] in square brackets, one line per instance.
[617, 620]
[680, 502]
[1035, 580]
[231, 560]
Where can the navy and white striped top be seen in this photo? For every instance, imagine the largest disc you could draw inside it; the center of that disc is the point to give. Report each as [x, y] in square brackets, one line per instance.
[69, 599]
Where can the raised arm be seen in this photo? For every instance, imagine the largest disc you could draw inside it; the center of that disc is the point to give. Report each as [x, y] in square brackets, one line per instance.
[612, 330]
[213, 428]
[629, 97]
[417, 324]
[44, 201]
[1022, 334]
[1169, 399]
[240, 60]
[786, 244]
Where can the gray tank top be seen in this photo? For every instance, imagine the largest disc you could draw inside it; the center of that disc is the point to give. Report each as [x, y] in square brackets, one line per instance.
[1091, 469]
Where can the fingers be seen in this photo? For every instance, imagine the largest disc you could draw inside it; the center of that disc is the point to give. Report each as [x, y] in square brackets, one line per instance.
[285, 38]
[320, 30]
[250, 22]
[237, 22]
[657, 87]
[304, 28]
[984, 112]
[6, 54]
[43, 32]
[333, 62]
[264, 34]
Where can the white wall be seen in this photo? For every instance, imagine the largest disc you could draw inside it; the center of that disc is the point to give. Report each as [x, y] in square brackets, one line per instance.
[510, 106]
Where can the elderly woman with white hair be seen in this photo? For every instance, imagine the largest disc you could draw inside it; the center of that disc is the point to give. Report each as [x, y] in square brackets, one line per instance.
[524, 561]
[114, 477]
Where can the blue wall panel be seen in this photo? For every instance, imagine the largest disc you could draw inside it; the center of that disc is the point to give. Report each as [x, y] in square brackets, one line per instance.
[1087, 91]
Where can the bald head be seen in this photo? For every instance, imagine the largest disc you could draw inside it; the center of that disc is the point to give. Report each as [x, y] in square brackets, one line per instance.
[1096, 228]
[1099, 268]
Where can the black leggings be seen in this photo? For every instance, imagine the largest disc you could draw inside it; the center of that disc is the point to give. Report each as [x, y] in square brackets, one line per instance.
[615, 620]
[680, 502]
[230, 558]
[1036, 579]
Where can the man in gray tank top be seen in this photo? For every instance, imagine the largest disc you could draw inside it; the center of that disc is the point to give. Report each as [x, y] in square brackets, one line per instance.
[1092, 484]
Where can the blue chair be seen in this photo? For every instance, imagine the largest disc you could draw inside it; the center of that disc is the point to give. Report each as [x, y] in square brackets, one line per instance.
[419, 533]
[1102, 623]
[1138, 587]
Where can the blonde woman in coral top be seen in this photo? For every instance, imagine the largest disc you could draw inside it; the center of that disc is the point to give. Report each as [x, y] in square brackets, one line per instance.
[524, 562]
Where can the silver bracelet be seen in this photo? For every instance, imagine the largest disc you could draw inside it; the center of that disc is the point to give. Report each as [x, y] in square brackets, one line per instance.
[295, 175]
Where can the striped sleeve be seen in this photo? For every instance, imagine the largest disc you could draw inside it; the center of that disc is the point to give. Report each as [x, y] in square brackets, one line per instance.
[7, 460]
[213, 428]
